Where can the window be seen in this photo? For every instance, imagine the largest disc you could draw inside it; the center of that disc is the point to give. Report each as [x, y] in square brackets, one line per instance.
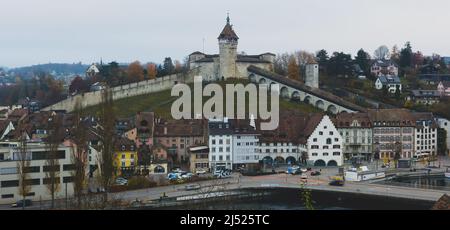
[220, 141]
[213, 141]
[228, 149]
[5, 196]
[213, 158]
[6, 171]
[123, 163]
[32, 169]
[320, 133]
[48, 168]
[220, 158]
[220, 149]
[132, 156]
[336, 154]
[44, 155]
[228, 157]
[331, 133]
[33, 181]
[314, 154]
[328, 141]
[123, 156]
[228, 141]
[314, 147]
[325, 147]
[9, 183]
[325, 154]
[69, 167]
[314, 139]
[48, 180]
[336, 146]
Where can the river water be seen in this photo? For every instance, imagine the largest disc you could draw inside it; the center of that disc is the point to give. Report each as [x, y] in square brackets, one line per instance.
[424, 181]
[291, 199]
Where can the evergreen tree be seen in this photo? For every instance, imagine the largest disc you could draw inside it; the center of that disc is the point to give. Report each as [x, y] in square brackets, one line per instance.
[362, 59]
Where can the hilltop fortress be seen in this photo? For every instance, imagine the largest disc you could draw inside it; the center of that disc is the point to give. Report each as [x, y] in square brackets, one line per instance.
[227, 64]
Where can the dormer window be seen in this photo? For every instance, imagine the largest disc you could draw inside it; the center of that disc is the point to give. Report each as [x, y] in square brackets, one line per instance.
[123, 147]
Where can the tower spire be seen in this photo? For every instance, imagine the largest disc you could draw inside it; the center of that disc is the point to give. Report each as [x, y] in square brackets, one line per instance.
[228, 17]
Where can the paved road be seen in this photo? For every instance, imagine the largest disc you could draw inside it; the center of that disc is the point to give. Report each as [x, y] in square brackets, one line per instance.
[276, 180]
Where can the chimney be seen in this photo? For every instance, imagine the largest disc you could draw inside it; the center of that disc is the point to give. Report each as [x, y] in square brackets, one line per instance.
[165, 130]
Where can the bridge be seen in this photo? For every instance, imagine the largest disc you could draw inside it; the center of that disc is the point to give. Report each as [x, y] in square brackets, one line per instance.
[294, 90]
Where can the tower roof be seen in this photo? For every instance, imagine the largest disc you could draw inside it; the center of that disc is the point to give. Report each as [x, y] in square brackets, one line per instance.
[228, 32]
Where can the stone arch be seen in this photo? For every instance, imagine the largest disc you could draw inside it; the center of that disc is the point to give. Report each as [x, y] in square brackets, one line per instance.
[319, 162]
[279, 160]
[159, 169]
[332, 109]
[307, 100]
[290, 159]
[267, 160]
[332, 163]
[284, 92]
[320, 104]
[252, 78]
[295, 96]
[262, 81]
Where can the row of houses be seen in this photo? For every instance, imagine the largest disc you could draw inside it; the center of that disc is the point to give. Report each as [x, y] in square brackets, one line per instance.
[319, 140]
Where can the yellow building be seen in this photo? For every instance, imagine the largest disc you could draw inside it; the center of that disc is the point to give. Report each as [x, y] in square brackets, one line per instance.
[125, 157]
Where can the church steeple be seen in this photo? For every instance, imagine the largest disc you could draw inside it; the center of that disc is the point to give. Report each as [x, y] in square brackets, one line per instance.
[228, 18]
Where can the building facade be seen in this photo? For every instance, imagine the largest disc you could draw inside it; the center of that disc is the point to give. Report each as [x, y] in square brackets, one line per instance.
[38, 178]
[356, 132]
[220, 135]
[325, 144]
[393, 131]
[425, 134]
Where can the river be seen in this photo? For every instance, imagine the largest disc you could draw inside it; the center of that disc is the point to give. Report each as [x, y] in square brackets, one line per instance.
[291, 199]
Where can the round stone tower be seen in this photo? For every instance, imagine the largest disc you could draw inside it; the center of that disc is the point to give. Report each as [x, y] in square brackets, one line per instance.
[228, 41]
[312, 73]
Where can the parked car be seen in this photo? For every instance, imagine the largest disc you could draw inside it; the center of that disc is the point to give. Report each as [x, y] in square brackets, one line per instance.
[315, 173]
[21, 203]
[200, 171]
[121, 181]
[186, 175]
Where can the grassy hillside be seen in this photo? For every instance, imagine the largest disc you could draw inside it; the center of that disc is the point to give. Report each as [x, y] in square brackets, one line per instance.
[161, 103]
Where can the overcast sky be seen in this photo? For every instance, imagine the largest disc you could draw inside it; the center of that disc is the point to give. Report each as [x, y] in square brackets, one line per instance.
[67, 31]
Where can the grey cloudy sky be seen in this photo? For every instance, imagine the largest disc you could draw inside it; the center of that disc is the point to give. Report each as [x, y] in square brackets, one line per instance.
[42, 31]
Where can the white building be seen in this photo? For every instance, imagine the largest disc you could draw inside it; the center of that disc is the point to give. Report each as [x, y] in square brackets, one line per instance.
[392, 83]
[220, 135]
[384, 67]
[425, 134]
[37, 153]
[245, 144]
[325, 144]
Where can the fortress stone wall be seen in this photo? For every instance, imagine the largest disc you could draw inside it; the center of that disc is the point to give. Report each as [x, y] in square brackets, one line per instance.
[134, 89]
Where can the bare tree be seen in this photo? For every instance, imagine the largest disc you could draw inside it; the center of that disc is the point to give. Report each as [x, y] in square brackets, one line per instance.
[79, 159]
[382, 52]
[23, 166]
[52, 167]
[106, 131]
